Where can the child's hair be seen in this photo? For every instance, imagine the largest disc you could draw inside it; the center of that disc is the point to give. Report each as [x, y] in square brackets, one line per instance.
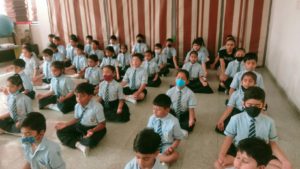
[17, 81]
[35, 121]
[256, 148]
[254, 93]
[162, 100]
[85, 88]
[194, 52]
[113, 37]
[158, 45]
[96, 42]
[147, 142]
[28, 47]
[93, 57]
[200, 41]
[140, 36]
[196, 42]
[74, 38]
[241, 49]
[112, 68]
[250, 56]
[185, 72]
[57, 38]
[249, 74]
[48, 51]
[20, 63]
[80, 46]
[110, 48]
[51, 35]
[149, 51]
[230, 39]
[170, 40]
[138, 55]
[53, 46]
[124, 45]
[58, 65]
[90, 37]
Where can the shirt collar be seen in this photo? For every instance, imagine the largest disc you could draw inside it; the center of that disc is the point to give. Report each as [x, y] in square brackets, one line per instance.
[183, 89]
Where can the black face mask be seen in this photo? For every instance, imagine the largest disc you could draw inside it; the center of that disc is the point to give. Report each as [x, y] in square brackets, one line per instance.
[169, 45]
[253, 111]
[139, 41]
[239, 59]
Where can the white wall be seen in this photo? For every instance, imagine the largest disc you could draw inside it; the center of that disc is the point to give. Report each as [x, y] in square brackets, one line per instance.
[41, 30]
[283, 49]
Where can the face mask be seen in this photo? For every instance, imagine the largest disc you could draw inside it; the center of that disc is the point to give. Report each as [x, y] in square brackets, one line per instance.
[239, 59]
[108, 77]
[180, 83]
[253, 111]
[157, 51]
[28, 140]
[139, 41]
[169, 45]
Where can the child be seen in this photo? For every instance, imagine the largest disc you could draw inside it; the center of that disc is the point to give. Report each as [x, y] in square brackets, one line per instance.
[113, 41]
[38, 150]
[146, 146]
[250, 61]
[198, 46]
[216, 62]
[93, 73]
[32, 65]
[136, 77]
[19, 66]
[96, 51]
[88, 46]
[70, 50]
[197, 82]
[233, 67]
[183, 101]
[167, 126]
[50, 38]
[235, 103]
[57, 55]
[112, 97]
[79, 62]
[61, 96]
[18, 106]
[152, 69]
[124, 59]
[87, 127]
[46, 76]
[171, 53]
[248, 124]
[61, 49]
[110, 59]
[140, 45]
[161, 60]
[252, 153]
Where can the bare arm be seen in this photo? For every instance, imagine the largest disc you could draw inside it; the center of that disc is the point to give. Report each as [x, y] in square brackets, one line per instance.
[26, 166]
[280, 155]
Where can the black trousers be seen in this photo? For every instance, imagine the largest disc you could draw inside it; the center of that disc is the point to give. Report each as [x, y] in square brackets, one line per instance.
[111, 114]
[228, 82]
[31, 94]
[152, 83]
[170, 63]
[9, 125]
[47, 80]
[128, 91]
[183, 118]
[197, 87]
[164, 71]
[226, 121]
[65, 107]
[123, 70]
[74, 133]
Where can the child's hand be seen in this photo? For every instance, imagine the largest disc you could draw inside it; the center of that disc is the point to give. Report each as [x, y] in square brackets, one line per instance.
[61, 99]
[135, 95]
[25, 92]
[60, 126]
[191, 122]
[89, 133]
[119, 111]
[18, 125]
[212, 66]
[176, 67]
[39, 96]
[169, 151]
[220, 125]
[286, 165]
[221, 160]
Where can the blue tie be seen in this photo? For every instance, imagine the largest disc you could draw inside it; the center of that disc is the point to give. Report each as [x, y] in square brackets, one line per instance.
[82, 113]
[106, 96]
[159, 131]
[148, 68]
[58, 91]
[178, 111]
[252, 129]
[14, 107]
[133, 80]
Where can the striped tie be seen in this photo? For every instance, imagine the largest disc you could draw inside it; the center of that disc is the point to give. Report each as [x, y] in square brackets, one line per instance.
[46, 71]
[106, 96]
[82, 113]
[133, 80]
[190, 70]
[14, 108]
[124, 61]
[159, 131]
[58, 92]
[252, 129]
[148, 68]
[239, 67]
[109, 61]
[178, 110]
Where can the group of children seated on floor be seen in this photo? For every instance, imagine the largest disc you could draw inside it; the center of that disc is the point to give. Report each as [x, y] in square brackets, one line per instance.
[115, 76]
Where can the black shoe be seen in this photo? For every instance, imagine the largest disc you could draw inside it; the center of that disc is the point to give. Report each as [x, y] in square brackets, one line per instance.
[221, 88]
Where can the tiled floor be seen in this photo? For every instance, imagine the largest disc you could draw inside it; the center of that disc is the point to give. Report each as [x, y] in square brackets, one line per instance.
[198, 151]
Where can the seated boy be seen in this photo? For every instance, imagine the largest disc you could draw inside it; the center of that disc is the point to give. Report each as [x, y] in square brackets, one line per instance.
[168, 128]
[248, 124]
[87, 127]
[79, 62]
[146, 146]
[152, 69]
[46, 76]
[124, 59]
[93, 73]
[88, 45]
[136, 78]
[96, 51]
[161, 60]
[57, 55]
[171, 53]
[39, 151]
[183, 101]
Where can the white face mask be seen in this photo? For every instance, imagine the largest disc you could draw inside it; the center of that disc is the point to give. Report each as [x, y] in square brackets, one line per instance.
[157, 51]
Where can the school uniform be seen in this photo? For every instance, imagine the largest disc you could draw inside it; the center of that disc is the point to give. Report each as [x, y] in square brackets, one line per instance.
[93, 75]
[116, 48]
[47, 155]
[170, 52]
[236, 82]
[27, 84]
[61, 49]
[111, 94]
[152, 69]
[18, 106]
[227, 57]
[31, 65]
[195, 71]
[124, 60]
[109, 61]
[182, 101]
[99, 53]
[57, 56]
[233, 68]
[87, 48]
[243, 126]
[88, 118]
[139, 48]
[133, 164]
[70, 54]
[202, 56]
[61, 86]
[135, 77]
[161, 59]
[80, 62]
[168, 128]
[47, 71]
